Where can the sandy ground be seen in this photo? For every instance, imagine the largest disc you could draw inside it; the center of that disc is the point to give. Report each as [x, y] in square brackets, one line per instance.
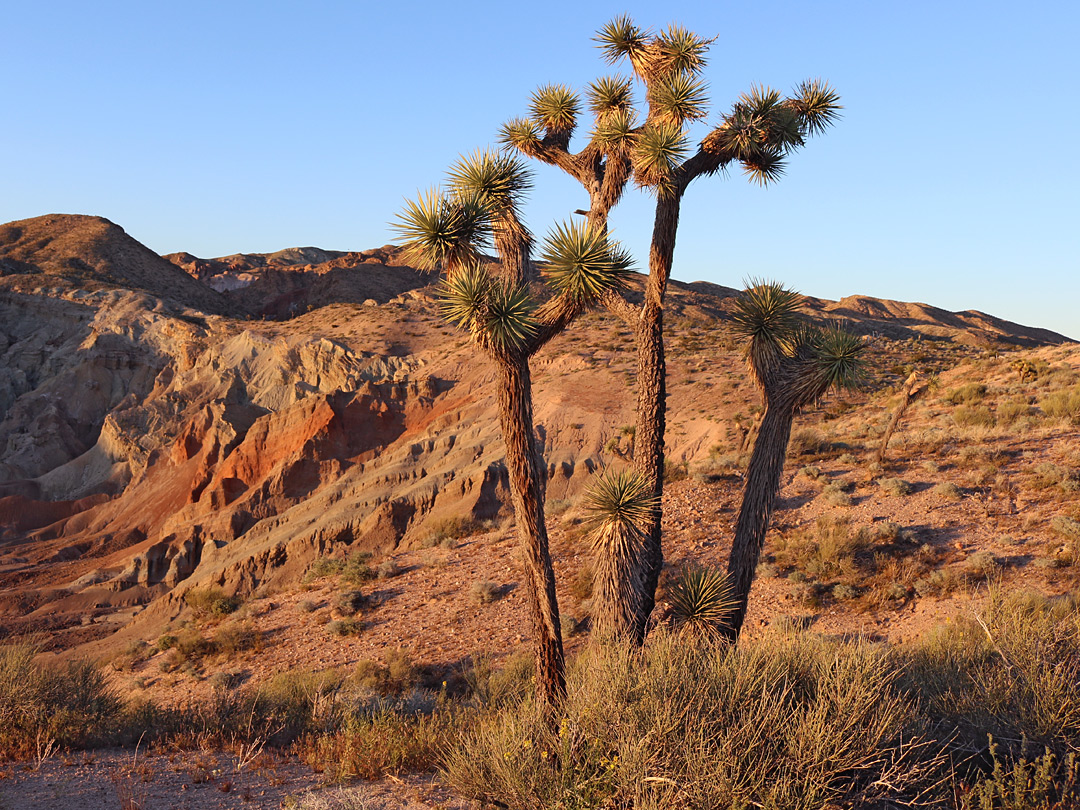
[116, 780]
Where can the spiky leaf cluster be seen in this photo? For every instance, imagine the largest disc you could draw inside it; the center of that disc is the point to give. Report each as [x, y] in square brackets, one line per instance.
[622, 499]
[583, 264]
[442, 231]
[767, 313]
[614, 131]
[522, 134]
[496, 179]
[838, 357]
[817, 105]
[763, 127]
[555, 107]
[610, 94]
[701, 599]
[496, 314]
[621, 38]
[658, 150]
[679, 98]
[681, 51]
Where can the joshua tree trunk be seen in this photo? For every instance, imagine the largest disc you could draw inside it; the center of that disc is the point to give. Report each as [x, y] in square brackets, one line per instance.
[910, 394]
[649, 453]
[515, 413]
[759, 498]
[652, 393]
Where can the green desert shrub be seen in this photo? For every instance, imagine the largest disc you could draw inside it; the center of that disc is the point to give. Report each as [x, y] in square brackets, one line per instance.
[973, 416]
[207, 602]
[967, 394]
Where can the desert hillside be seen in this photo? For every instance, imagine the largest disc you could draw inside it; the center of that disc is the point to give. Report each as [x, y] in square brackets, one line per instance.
[174, 423]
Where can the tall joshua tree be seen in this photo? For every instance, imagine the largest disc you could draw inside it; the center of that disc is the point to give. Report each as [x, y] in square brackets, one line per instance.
[652, 147]
[448, 231]
[793, 365]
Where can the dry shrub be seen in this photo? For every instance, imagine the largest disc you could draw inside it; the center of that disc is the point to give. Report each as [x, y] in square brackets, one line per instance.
[392, 678]
[65, 705]
[785, 722]
[978, 416]
[895, 487]
[386, 744]
[211, 602]
[967, 394]
[1011, 673]
[349, 603]
[485, 592]
[1009, 412]
[948, 491]
[1063, 405]
[808, 442]
[447, 531]
[824, 551]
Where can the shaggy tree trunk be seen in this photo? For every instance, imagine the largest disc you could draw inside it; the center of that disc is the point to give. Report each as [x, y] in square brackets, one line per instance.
[909, 396]
[616, 595]
[649, 453]
[759, 498]
[652, 395]
[526, 487]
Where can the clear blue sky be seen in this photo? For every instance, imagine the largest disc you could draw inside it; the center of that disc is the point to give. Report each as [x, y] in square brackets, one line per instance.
[225, 127]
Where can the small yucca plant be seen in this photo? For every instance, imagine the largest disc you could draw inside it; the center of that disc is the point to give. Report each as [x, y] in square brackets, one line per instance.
[701, 600]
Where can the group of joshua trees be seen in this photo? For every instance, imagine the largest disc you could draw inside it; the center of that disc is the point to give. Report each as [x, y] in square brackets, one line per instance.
[510, 314]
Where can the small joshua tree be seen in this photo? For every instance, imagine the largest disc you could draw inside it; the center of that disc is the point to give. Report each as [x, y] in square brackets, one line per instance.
[619, 507]
[652, 147]
[447, 231]
[793, 364]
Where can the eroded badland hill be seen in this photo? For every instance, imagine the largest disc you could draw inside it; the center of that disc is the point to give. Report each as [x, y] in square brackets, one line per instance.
[173, 423]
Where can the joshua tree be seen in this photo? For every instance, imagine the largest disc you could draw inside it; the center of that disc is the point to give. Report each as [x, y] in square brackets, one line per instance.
[793, 365]
[759, 131]
[619, 506]
[447, 232]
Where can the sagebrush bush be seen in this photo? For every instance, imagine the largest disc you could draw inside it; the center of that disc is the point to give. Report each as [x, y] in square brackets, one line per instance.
[967, 394]
[207, 602]
[896, 487]
[1063, 405]
[790, 723]
[68, 705]
[949, 491]
[974, 416]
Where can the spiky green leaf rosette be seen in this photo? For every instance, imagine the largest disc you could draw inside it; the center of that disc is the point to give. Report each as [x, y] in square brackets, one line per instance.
[494, 313]
[582, 264]
[701, 600]
[621, 499]
[442, 231]
[555, 108]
